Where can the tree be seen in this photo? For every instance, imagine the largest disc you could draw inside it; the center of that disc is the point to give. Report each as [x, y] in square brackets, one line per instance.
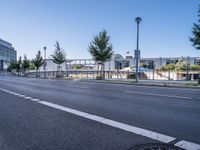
[194, 67]
[26, 64]
[196, 33]
[196, 36]
[182, 66]
[37, 61]
[169, 68]
[59, 56]
[101, 49]
[32, 66]
[13, 65]
[19, 65]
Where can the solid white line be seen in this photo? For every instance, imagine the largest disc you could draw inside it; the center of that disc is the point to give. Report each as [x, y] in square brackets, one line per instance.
[119, 125]
[161, 95]
[139, 131]
[188, 145]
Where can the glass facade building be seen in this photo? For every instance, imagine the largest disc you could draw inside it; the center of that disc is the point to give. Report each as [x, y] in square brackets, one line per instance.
[7, 54]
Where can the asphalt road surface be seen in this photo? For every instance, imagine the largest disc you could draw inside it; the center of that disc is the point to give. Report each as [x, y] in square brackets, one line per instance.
[41, 114]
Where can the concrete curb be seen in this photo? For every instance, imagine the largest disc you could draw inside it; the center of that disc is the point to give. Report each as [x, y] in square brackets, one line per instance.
[143, 84]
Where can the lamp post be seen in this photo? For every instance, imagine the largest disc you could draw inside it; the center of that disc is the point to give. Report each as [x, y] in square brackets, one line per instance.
[45, 48]
[137, 51]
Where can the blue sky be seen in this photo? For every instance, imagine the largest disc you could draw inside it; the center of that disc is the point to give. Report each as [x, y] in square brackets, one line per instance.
[32, 24]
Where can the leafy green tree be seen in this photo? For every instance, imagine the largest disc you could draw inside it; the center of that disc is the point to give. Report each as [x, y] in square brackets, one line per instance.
[196, 33]
[19, 65]
[59, 55]
[77, 67]
[37, 61]
[168, 67]
[12, 66]
[196, 36]
[194, 67]
[182, 66]
[101, 49]
[32, 66]
[25, 64]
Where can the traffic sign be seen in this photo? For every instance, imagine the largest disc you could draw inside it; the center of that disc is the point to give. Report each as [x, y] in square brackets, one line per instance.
[137, 54]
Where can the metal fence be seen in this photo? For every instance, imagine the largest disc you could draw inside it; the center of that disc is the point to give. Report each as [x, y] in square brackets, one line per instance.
[145, 75]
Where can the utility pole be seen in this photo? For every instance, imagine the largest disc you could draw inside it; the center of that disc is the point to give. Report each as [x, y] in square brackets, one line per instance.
[137, 51]
[45, 63]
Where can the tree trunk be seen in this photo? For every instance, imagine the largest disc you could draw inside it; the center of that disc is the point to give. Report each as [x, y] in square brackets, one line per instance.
[169, 75]
[97, 70]
[104, 70]
[199, 77]
[59, 71]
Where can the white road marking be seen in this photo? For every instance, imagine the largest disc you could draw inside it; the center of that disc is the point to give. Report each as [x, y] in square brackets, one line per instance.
[17, 94]
[76, 86]
[21, 95]
[188, 145]
[35, 99]
[27, 97]
[161, 95]
[122, 126]
[136, 130]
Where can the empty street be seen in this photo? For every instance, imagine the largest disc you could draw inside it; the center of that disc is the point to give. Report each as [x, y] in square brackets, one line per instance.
[64, 114]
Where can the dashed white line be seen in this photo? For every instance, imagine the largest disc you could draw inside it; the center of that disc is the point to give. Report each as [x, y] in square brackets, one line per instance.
[188, 145]
[35, 99]
[160, 95]
[76, 86]
[27, 97]
[16, 94]
[136, 130]
[21, 95]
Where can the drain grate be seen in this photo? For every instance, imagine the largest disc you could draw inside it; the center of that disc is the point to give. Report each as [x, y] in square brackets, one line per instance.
[155, 146]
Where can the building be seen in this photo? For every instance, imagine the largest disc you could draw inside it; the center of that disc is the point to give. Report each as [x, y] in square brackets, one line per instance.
[159, 62]
[118, 62]
[7, 54]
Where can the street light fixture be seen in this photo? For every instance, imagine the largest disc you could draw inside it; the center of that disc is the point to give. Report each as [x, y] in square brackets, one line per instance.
[45, 63]
[137, 51]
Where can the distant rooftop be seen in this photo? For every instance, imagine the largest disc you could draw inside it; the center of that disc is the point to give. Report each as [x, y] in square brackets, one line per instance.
[6, 44]
[2, 41]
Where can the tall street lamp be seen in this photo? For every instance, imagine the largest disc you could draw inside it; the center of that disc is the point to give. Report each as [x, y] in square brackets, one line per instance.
[45, 63]
[137, 51]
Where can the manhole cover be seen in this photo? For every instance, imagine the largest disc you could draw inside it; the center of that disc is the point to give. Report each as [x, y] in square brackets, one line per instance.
[155, 146]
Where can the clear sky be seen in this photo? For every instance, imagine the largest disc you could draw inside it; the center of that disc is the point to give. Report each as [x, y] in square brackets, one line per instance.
[32, 24]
